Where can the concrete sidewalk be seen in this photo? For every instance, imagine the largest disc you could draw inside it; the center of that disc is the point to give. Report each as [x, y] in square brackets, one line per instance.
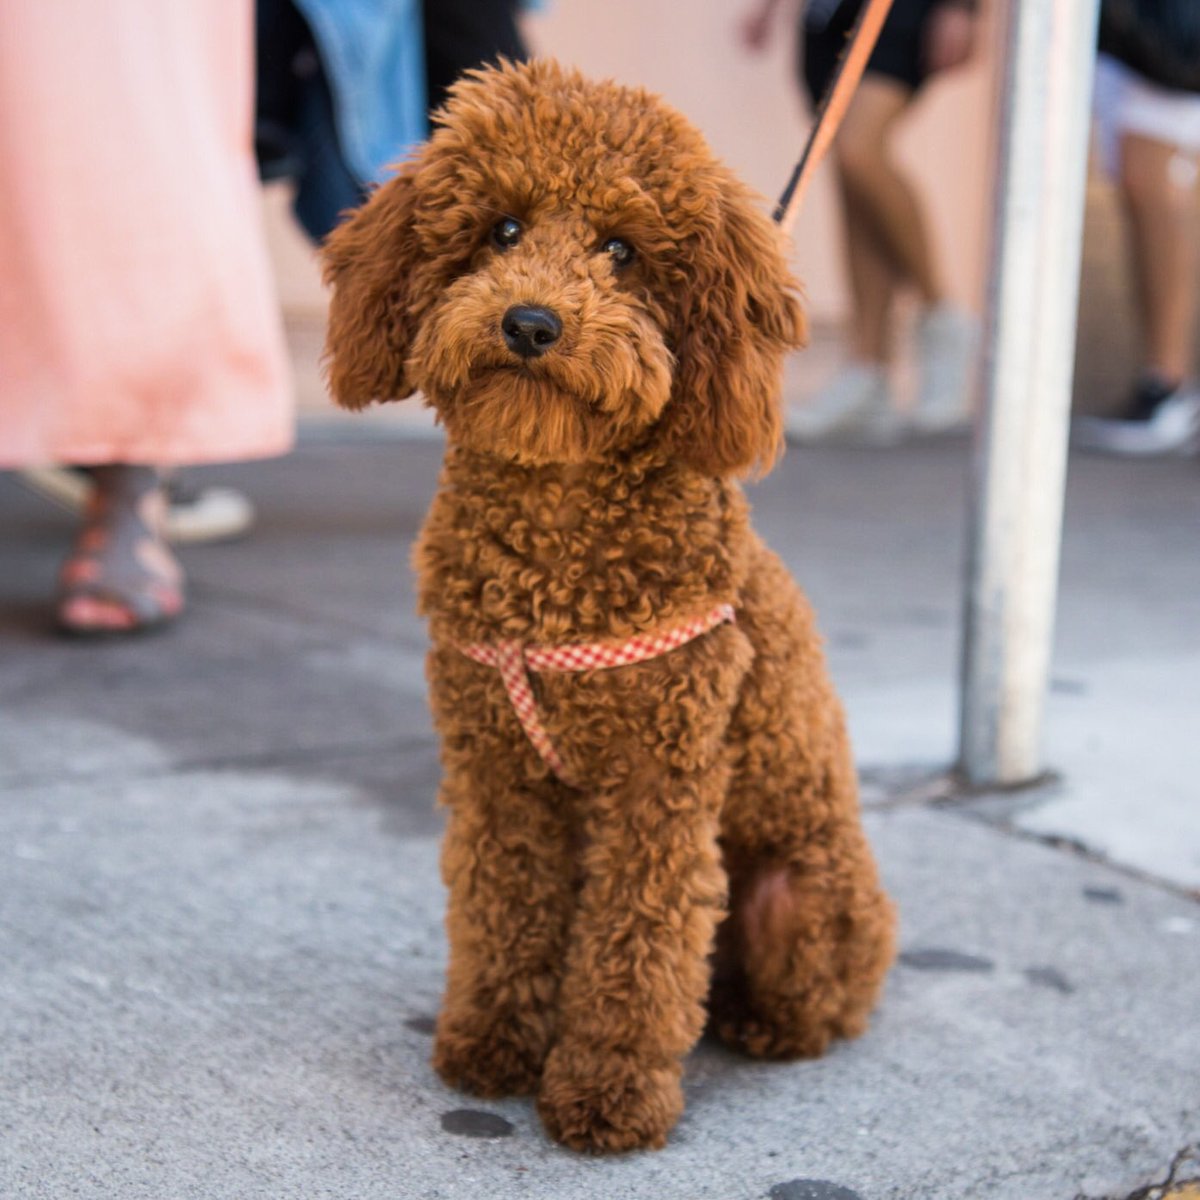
[220, 916]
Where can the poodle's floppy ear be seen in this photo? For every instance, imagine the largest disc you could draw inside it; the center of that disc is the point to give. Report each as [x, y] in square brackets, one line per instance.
[370, 262]
[741, 315]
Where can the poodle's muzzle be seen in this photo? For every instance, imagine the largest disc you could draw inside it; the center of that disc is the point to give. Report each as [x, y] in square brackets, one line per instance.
[530, 330]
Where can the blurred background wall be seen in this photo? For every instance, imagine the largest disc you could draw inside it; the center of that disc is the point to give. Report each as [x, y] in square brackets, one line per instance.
[752, 110]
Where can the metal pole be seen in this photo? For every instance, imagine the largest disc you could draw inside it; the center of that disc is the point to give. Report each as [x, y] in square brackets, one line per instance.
[1029, 348]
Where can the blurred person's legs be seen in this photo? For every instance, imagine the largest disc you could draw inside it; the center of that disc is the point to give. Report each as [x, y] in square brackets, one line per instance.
[1150, 139]
[878, 238]
[887, 244]
[194, 514]
[137, 322]
[296, 135]
[884, 219]
[1159, 196]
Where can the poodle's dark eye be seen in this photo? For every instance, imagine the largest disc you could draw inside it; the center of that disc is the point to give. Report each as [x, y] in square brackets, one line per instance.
[506, 233]
[622, 252]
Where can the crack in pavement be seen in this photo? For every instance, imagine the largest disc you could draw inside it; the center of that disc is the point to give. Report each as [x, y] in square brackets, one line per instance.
[945, 791]
[1171, 1188]
[1072, 846]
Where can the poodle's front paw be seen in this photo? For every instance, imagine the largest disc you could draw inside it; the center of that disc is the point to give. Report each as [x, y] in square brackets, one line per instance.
[604, 1105]
[490, 1060]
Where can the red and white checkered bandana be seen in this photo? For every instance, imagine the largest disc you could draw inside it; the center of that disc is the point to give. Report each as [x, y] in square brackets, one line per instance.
[515, 660]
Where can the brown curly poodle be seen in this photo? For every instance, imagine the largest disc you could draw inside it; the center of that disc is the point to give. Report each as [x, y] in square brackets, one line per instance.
[598, 310]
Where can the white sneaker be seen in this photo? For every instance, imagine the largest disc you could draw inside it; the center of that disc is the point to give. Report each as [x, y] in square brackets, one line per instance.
[947, 337]
[1164, 423]
[856, 403]
[207, 514]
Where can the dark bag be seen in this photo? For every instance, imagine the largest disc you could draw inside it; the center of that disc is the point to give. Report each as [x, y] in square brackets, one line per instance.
[1159, 39]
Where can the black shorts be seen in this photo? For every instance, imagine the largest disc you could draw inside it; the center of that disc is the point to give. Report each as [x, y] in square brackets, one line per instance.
[899, 53]
[460, 34]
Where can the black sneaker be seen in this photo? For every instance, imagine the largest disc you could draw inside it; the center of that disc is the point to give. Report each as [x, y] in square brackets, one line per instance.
[1161, 418]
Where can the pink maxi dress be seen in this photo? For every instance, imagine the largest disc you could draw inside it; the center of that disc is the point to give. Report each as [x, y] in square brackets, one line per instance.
[138, 321]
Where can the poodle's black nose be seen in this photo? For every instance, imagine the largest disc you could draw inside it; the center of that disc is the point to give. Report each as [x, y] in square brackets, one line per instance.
[530, 331]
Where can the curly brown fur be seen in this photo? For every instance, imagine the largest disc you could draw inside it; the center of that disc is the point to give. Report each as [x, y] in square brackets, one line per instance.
[714, 850]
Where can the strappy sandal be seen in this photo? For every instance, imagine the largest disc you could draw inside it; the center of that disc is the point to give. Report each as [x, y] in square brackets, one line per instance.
[120, 578]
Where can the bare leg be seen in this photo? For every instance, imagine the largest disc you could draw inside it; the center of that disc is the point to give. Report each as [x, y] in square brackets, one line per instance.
[884, 200]
[857, 399]
[872, 279]
[1158, 193]
[1163, 237]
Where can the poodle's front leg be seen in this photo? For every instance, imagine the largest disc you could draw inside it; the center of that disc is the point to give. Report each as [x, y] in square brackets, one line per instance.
[632, 997]
[506, 860]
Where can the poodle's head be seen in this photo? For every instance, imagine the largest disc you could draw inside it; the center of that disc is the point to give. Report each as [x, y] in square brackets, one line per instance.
[565, 271]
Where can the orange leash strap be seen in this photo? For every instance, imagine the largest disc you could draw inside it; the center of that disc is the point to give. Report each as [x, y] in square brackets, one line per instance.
[850, 68]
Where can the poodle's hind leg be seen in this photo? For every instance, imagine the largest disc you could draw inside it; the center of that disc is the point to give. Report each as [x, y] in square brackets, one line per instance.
[508, 863]
[801, 957]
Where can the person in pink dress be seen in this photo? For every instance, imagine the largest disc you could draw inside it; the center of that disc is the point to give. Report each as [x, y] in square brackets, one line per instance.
[138, 325]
